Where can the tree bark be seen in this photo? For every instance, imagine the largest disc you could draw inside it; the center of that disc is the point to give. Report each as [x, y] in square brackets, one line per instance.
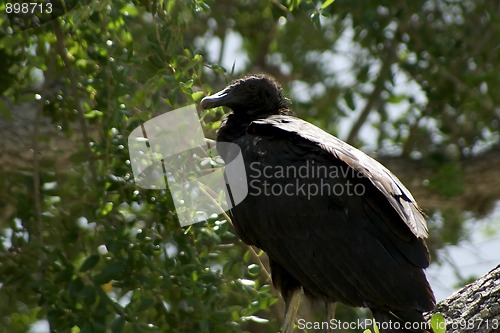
[475, 308]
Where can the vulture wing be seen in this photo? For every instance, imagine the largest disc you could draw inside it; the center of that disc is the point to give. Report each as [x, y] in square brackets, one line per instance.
[384, 180]
[362, 250]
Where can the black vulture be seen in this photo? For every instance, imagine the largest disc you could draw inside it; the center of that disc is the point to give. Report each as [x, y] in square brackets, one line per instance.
[333, 221]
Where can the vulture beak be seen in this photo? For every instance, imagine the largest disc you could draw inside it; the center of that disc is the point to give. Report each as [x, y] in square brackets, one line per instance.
[222, 98]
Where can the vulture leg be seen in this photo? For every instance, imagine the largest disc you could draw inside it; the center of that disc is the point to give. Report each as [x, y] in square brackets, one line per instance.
[329, 315]
[292, 301]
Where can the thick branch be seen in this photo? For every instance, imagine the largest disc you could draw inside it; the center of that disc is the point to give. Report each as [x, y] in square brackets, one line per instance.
[475, 308]
[480, 177]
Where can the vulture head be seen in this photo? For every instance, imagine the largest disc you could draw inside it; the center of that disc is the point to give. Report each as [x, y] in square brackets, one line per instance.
[250, 96]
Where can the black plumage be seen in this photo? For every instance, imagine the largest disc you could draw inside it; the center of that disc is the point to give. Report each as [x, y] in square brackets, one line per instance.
[364, 248]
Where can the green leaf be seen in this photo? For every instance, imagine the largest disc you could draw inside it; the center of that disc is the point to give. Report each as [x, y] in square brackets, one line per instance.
[349, 100]
[106, 209]
[265, 289]
[90, 262]
[315, 20]
[129, 9]
[438, 323]
[363, 73]
[253, 269]
[326, 4]
[93, 114]
[395, 99]
[292, 4]
[247, 256]
[196, 96]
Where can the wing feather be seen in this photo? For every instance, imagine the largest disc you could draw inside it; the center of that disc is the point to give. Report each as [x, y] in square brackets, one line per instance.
[384, 180]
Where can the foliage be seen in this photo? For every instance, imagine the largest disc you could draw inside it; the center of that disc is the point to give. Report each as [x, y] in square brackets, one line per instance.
[84, 248]
[438, 323]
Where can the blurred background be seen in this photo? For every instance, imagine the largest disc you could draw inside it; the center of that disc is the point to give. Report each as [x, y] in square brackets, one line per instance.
[83, 249]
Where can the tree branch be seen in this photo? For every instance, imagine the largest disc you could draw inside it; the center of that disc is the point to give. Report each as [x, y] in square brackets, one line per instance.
[480, 178]
[374, 97]
[475, 308]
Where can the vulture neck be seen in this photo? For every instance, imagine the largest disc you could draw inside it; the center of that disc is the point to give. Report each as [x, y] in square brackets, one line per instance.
[235, 125]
